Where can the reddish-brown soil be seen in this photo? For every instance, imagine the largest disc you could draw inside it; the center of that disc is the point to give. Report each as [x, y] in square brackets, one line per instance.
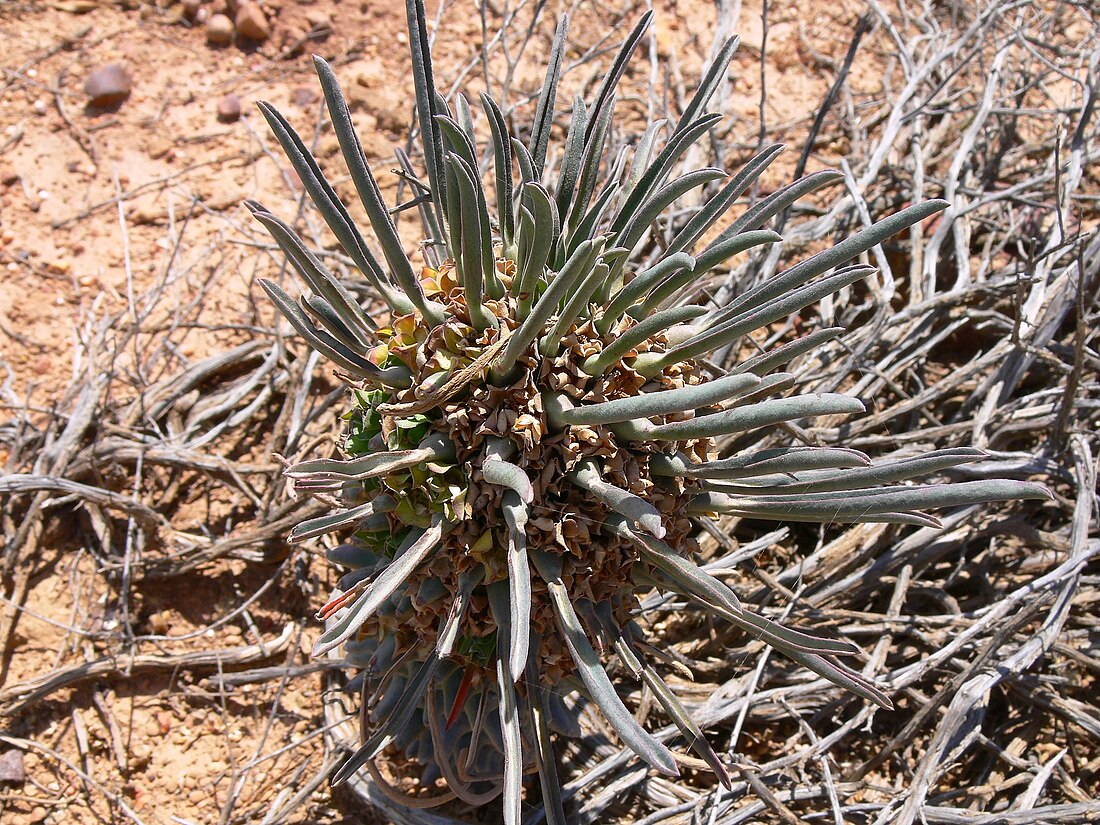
[98, 205]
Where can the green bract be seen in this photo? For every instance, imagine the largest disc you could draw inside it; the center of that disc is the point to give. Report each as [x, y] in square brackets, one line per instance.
[532, 431]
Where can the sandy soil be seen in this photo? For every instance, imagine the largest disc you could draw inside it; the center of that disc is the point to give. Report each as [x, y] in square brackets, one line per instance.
[100, 204]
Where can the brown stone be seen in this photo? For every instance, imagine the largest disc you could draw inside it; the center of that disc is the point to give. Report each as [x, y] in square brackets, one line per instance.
[229, 109]
[108, 86]
[219, 30]
[11, 768]
[251, 22]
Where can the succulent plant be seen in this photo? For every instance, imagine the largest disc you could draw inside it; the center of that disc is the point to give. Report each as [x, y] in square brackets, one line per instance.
[533, 427]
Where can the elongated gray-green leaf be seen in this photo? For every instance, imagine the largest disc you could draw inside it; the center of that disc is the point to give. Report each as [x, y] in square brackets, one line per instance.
[637, 289]
[846, 503]
[762, 462]
[502, 152]
[680, 717]
[332, 209]
[756, 317]
[370, 195]
[654, 206]
[780, 200]
[739, 419]
[634, 508]
[639, 334]
[828, 259]
[544, 747]
[331, 522]
[314, 273]
[709, 84]
[717, 206]
[665, 402]
[592, 673]
[578, 265]
[426, 106]
[544, 112]
[605, 95]
[519, 582]
[367, 466]
[767, 361]
[398, 719]
[885, 472]
[328, 346]
[712, 257]
[414, 550]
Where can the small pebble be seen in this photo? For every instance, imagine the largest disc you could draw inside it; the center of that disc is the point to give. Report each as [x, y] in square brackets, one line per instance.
[219, 30]
[191, 8]
[11, 762]
[251, 22]
[108, 86]
[229, 109]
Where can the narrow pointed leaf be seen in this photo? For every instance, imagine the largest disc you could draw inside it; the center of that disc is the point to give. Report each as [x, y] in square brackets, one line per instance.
[593, 675]
[739, 419]
[519, 583]
[370, 195]
[605, 95]
[323, 313]
[426, 106]
[756, 317]
[545, 759]
[864, 503]
[842, 676]
[572, 157]
[636, 291]
[415, 549]
[664, 402]
[713, 257]
[762, 462]
[367, 466]
[575, 268]
[682, 719]
[328, 346]
[709, 84]
[544, 112]
[577, 302]
[661, 168]
[397, 720]
[317, 276]
[331, 522]
[885, 472]
[653, 207]
[828, 259]
[717, 206]
[777, 202]
[766, 362]
[502, 152]
[474, 230]
[331, 208]
[632, 507]
[639, 334]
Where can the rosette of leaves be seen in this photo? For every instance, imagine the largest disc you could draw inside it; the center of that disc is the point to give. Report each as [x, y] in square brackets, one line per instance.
[533, 428]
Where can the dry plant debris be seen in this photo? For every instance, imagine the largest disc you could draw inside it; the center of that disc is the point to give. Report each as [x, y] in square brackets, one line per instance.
[148, 673]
